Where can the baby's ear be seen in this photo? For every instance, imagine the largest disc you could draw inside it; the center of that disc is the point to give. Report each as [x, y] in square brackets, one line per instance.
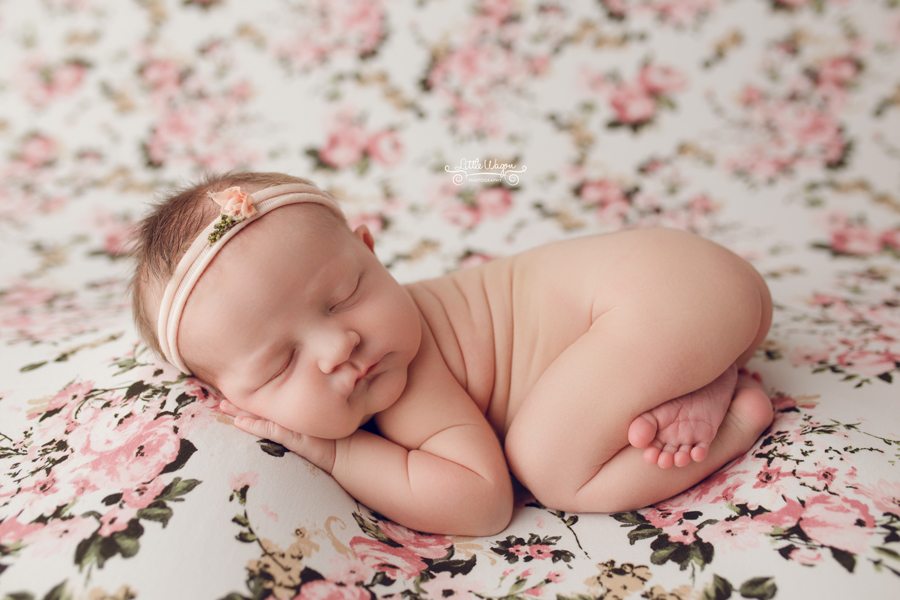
[363, 233]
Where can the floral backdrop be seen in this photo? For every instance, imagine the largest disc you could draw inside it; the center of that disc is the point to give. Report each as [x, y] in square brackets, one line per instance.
[458, 132]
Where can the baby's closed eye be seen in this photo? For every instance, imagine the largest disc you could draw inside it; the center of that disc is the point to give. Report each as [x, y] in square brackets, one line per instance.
[347, 298]
[284, 369]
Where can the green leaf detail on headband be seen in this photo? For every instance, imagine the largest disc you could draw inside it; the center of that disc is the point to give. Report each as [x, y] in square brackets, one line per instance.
[225, 223]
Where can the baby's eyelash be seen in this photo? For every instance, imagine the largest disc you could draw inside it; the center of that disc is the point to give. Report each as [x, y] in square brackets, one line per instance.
[285, 368]
[277, 374]
[352, 294]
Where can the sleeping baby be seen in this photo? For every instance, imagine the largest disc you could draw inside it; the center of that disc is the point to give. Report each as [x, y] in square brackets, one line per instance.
[585, 368]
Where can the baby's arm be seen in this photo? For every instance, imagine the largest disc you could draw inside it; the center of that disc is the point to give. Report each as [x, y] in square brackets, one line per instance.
[455, 482]
[439, 466]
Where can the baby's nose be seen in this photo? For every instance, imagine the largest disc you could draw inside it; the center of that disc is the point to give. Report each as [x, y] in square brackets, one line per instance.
[339, 350]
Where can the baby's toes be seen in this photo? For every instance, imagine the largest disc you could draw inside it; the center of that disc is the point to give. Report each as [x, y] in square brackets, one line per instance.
[683, 456]
[651, 453]
[642, 430]
[699, 452]
[666, 456]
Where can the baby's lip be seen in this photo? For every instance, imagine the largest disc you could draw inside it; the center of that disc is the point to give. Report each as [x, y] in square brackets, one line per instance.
[368, 369]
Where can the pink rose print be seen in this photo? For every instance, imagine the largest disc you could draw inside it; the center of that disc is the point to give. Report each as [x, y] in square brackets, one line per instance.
[43, 81]
[658, 80]
[349, 144]
[742, 533]
[425, 545]
[884, 495]
[385, 148]
[632, 104]
[661, 517]
[855, 239]
[115, 520]
[838, 71]
[350, 570]
[540, 551]
[808, 355]
[161, 75]
[684, 533]
[143, 494]
[868, 363]
[344, 147]
[838, 522]
[330, 30]
[494, 201]
[805, 556]
[38, 151]
[607, 196]
[122, 455]
[395, 562]
[768, 476]
[13, 531]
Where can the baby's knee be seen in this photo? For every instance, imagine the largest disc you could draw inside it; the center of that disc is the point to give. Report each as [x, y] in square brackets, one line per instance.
[553, 494]
[551, 478]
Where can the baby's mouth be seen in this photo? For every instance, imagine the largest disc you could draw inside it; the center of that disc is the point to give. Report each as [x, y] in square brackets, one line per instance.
[365, 375]
[366, 372]
[369, 370]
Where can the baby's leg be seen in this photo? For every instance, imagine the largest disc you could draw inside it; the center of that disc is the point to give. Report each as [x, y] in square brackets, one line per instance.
[578, 459]
[568, 444]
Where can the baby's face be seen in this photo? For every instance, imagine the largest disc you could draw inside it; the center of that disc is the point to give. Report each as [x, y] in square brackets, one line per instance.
[288, 317]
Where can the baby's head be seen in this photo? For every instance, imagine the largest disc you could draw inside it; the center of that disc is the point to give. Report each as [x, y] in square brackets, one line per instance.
[283, 313]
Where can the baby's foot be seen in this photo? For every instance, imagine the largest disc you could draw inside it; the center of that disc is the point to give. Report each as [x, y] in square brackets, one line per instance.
[682, 428]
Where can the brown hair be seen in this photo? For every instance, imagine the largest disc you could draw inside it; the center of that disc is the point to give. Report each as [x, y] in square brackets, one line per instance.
[165, 233]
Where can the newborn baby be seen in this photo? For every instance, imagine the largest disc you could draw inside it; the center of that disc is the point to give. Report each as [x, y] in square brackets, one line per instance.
[586, 367]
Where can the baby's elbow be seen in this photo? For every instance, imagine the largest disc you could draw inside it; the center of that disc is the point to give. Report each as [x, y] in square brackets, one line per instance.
[501, 518]
[495, 509]
[485, 509]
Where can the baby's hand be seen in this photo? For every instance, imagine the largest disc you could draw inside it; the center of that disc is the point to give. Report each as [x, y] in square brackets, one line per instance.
[319, 451]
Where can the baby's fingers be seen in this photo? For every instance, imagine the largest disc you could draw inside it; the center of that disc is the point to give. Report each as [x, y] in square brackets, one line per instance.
[269, 430]
[231, 410]
[320, 452]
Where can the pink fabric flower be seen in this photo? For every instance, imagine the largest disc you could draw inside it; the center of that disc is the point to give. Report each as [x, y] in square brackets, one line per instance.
[234, 202]
[425, 545]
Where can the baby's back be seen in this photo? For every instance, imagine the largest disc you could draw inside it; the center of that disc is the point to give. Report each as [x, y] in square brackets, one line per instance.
[500, 324]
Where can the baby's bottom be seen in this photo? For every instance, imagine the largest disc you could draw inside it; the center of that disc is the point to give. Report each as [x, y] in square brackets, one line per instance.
[569, 442]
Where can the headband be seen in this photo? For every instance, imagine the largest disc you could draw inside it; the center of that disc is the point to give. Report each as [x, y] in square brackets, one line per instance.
[238, 209]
